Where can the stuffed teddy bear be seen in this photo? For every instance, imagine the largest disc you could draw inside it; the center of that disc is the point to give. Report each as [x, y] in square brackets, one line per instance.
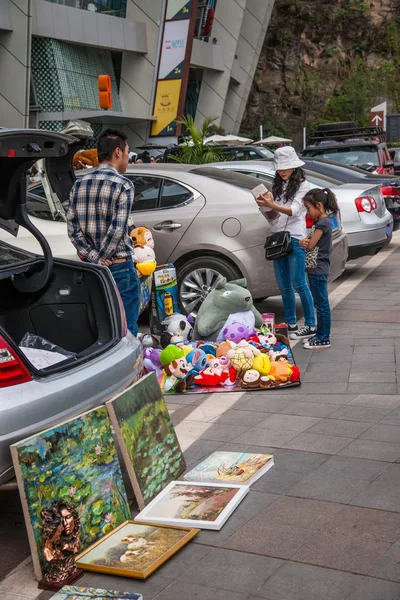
[145, 260]
[85, 158]
[141, 236]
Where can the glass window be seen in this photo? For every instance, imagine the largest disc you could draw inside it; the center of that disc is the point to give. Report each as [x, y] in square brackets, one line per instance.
[266, 153]
[146, 191]
[174, 194]
[355, 155]
[253, 155]
[37, 204]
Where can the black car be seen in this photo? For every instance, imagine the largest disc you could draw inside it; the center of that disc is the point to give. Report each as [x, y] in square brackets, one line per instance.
[395, 156]
[231, 153]
[390, 183]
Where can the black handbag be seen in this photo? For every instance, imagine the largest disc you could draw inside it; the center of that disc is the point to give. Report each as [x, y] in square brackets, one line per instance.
[278, 244]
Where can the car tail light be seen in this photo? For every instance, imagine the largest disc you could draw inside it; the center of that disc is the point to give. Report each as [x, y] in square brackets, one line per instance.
[390, 190]
[123, 315]
[309, 222]
[12, 369]
[366, 204]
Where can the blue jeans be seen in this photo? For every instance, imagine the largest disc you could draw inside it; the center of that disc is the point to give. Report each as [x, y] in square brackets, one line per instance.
[290, 272]
[128, 284]
[319, 290]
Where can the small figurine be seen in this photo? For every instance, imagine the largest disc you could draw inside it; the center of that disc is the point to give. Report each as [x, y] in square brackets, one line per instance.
[61, 533]
[178, 370]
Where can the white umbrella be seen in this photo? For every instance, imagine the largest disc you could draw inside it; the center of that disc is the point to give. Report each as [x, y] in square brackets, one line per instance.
[228, 139]
[273, 139]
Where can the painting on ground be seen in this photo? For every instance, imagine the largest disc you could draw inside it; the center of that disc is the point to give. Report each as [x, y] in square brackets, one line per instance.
[147, 438]
[194, 504]
[236, 467]
[70, 592]
[135, 549]
[77, 462]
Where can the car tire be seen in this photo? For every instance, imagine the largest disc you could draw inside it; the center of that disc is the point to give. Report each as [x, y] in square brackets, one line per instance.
[198, 276]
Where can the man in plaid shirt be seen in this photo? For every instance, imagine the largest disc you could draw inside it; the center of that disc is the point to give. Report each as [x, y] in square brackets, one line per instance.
[97, 218]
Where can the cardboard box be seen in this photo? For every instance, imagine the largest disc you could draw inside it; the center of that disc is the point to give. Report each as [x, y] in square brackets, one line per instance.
[164, 296]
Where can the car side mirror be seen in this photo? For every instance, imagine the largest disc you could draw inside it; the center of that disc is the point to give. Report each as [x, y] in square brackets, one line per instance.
[389, 164]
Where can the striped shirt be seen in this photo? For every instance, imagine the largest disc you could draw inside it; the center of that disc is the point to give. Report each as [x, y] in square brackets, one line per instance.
[97, 217]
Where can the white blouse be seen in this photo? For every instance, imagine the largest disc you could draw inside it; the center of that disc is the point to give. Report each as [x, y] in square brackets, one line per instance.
[296, 224]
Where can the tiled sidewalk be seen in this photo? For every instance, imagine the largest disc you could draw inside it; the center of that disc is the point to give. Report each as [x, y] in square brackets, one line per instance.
[324, 523]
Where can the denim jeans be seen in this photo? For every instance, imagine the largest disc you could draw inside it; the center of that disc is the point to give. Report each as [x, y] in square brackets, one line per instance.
[290, 272]
[128, 284]
[319, 290]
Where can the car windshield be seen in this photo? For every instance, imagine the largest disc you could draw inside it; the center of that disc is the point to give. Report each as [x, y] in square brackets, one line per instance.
[354, 155]
[266, 153]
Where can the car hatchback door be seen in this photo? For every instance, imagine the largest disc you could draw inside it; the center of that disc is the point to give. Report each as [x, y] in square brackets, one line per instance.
[167, 207]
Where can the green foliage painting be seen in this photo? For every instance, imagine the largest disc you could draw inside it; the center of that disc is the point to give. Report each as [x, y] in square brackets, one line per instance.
[76, 461]
[147, 438]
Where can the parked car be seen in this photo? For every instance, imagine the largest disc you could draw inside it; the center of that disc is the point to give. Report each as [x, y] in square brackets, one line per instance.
[390, 185]
[204, 220]
[345, 142]
[73, 305]
[365, 218]
[231, 153]
[395, 156]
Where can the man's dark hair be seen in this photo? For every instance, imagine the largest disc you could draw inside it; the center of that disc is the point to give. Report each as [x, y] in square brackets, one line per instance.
[108, 142]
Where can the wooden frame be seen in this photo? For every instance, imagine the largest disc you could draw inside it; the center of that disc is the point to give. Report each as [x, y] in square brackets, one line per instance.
[147, 515]
[137, 574]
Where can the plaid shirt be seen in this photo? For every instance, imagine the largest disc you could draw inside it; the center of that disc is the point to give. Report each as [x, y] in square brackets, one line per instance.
[97, 217]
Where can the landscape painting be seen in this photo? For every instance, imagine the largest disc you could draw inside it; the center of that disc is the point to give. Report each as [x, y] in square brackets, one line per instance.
[194, 504]
[237, 467]
[146, 437]
[134, 549]
[76, 461]
[70, 592]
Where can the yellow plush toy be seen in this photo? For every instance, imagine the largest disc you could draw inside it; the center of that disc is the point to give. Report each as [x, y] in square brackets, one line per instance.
[262, 364]
[143, 253]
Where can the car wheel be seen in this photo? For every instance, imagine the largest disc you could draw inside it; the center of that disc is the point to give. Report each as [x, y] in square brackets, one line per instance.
[198, 277]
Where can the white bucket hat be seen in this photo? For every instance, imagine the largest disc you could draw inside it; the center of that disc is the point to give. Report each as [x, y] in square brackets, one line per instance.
[286, 158]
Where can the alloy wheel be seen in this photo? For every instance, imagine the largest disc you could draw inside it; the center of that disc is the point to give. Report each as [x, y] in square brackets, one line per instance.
[196, 286]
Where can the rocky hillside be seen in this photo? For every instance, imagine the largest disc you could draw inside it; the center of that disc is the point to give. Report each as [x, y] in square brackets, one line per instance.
[325, 60]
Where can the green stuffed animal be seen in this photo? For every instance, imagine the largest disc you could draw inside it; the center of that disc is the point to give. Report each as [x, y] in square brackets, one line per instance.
[227, 298]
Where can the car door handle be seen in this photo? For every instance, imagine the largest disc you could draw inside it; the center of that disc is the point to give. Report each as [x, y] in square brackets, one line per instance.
[170, 225]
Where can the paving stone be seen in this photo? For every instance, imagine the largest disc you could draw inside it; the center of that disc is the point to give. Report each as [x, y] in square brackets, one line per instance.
[360, 413]
[231, 570]
[389, 565]
[323, 377]
[392, 418]
[324, 388]
[383, 433]
[150, 588]
[277, 481]
[340, 427]
[325, 487]
[374, 388]
[389, 401]
[309, 409]
[288, 422]
[267, 405]
[373, 450]
[295, 581]
[192, 591]
[330, 356]
[269, 437]
[345, 552]
[316, 442]
[342, 367]
[362, 377]
[384, 492]
[353, 468]
[298, 461]
[383, 367]
[233, 447]
[376, 589]
[379, 524]
[199, 449]
[298, 512]
[242, 418]
[223, 433]
[185, 559]
[328, 398]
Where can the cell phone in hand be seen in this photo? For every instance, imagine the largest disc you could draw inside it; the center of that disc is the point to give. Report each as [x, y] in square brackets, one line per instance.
[259, 190]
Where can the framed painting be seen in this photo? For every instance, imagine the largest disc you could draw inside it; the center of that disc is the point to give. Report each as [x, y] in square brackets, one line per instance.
[135, 549]
[194, 504]
[147, 438]
[235, 467]
[75, 462]
[70, 592]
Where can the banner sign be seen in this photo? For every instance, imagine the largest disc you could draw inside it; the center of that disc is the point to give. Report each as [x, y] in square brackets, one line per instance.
[174, 65]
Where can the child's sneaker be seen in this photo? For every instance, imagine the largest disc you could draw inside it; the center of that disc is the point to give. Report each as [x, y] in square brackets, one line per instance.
[316, 344]
[303, 332]
[306, 340]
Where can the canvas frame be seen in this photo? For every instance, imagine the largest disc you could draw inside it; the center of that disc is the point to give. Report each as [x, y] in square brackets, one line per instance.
[191, 532]
[191, 475]
[95, 594]
[133, 476]
[202, 524]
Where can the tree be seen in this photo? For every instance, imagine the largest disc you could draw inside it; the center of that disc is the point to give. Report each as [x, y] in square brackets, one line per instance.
[194, 151]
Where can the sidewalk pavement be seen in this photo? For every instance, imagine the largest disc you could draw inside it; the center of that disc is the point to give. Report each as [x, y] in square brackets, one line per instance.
[324, 522]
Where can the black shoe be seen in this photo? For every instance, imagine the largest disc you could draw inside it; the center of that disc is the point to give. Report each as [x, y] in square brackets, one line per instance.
[292, 328]
[303, 332]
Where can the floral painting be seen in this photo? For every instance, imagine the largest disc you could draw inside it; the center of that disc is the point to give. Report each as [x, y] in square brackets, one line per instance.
[70, 592]
[237, 467]
[76, 461]
[207, 505]
[135, 549]
[147, 438]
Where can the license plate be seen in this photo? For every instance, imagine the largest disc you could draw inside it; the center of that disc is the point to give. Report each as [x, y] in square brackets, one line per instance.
[388, 230]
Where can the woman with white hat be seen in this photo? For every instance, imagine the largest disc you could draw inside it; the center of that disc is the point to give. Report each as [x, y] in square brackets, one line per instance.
[286, 211]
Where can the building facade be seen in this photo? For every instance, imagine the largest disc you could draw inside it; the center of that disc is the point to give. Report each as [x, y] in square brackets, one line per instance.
[52, 51]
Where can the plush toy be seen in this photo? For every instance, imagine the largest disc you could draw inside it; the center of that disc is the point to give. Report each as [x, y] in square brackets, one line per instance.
[252, 379]
[295, 374]
[281, 369]
[235, 332]
[223, 348]
[141, 236]
[235, 320]
[262, 364]
[249, 347]
[85, 158]
[241, 359]
[276, 354]
[175, 325]
[177, 370]
[151, 360]
[145, 260]
[216, 376]
[198, 360]
[225, 299]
